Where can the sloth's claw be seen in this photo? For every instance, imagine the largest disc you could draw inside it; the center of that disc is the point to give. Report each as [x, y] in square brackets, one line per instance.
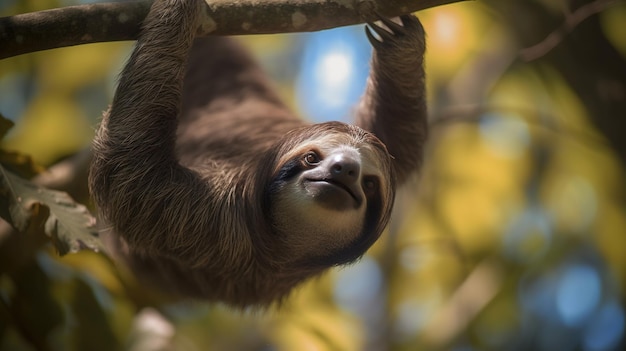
[382, 33]
[376, 43]
[397, 29]
[390, 30]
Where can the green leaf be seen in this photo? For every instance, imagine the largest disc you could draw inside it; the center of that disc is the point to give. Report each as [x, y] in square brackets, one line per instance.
[30, 207]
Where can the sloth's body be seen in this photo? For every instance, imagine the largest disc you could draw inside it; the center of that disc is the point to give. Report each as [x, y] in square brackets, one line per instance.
[216, 190]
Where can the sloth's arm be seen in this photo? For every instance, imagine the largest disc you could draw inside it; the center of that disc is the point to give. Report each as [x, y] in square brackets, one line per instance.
[394, 105]
[135, 179]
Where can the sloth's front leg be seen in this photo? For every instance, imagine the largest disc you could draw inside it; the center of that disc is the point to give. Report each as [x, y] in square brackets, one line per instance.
[394, 106]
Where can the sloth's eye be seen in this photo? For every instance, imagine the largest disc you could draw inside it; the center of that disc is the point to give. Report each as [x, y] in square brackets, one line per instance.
[370, 185]
[311, 159]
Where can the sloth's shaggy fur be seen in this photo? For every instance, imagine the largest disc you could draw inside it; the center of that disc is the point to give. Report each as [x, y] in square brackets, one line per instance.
[203, 176]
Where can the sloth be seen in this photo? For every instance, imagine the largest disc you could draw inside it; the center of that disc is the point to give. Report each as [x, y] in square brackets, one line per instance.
[212, 189]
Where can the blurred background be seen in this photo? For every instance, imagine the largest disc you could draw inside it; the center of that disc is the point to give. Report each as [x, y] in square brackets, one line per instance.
[513, 237]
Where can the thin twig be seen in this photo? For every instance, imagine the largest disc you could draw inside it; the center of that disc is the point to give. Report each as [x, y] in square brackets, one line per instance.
[572, 20]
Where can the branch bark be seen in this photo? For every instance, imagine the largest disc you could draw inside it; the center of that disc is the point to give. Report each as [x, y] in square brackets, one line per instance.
[103, 22]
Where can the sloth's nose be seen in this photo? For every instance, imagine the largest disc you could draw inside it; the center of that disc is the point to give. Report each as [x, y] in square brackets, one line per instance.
[345, 168]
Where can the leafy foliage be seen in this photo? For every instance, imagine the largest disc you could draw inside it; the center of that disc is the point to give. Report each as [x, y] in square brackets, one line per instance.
[28, 207]
[69, 224]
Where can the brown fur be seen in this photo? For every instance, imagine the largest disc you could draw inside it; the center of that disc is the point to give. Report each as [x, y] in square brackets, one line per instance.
[189, 160]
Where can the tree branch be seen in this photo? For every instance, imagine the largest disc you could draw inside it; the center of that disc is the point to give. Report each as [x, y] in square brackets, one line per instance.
[93, 23]
[73, 25]
[571, 21]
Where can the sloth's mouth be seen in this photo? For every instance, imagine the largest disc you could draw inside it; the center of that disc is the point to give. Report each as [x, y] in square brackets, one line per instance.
[341, 186]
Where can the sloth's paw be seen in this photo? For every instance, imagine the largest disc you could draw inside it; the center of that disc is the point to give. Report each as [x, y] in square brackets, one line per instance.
[390, 35]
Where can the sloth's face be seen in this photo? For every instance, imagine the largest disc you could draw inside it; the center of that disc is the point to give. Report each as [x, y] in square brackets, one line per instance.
[325, 190]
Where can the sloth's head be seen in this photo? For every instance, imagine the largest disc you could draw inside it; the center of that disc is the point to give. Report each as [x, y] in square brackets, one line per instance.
[331, 192]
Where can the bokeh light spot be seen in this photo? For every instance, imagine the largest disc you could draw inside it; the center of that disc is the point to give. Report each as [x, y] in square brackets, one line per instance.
[334, 70]
[578, 294]
[447, 28]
